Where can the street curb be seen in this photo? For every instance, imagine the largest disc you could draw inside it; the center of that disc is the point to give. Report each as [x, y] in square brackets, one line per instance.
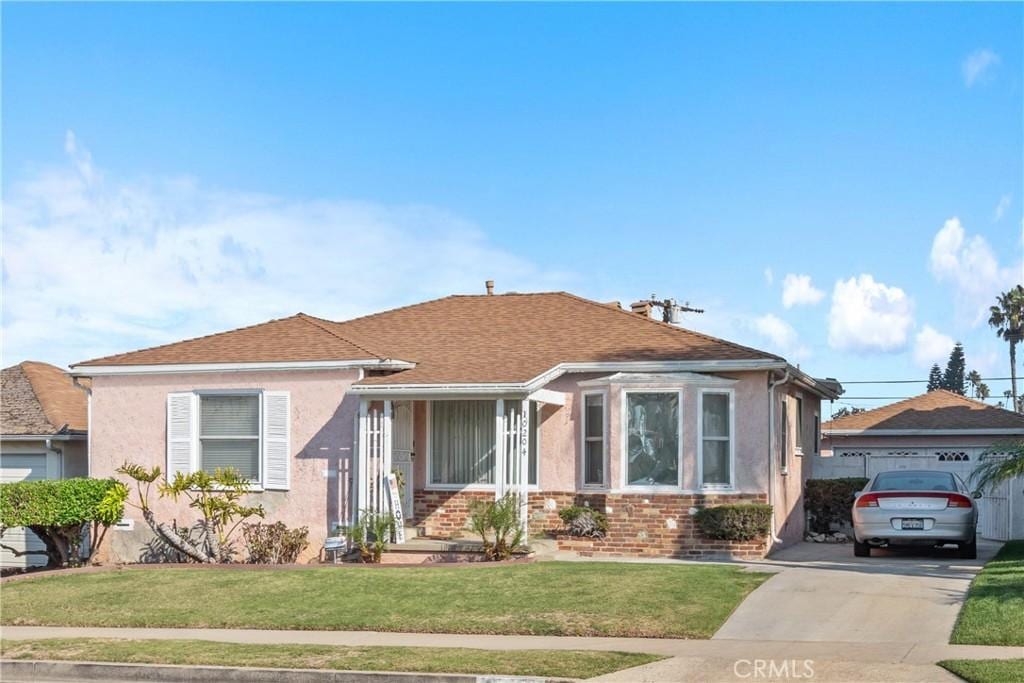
[50, 670]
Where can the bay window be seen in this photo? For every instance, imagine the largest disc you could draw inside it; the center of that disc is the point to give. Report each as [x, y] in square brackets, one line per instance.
[229, 433]
[652, 445]
[716, 438]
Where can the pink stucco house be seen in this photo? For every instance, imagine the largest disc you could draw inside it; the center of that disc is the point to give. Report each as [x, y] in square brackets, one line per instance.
[549, 395]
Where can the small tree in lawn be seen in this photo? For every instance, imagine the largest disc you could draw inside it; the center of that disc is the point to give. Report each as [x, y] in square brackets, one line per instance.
[216, 498]
[59, 511]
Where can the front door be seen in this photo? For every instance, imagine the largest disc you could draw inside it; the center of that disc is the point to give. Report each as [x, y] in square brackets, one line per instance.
[402, 451]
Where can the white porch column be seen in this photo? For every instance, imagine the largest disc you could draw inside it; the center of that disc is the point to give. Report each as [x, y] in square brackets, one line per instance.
[362, 473]
[500, 436]
[523, 466]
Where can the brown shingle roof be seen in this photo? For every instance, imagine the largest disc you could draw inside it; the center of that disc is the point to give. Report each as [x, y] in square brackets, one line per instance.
[38, 398]
[298, 338]
[457, 339]
[516, 337]
[939, 409]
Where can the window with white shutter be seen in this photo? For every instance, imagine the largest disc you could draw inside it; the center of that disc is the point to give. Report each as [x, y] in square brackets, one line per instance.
[276, 439]
[229, 433]
[181, 433]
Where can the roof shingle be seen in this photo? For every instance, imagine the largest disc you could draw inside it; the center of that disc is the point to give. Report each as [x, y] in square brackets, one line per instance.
[939, 409]
[39, 398]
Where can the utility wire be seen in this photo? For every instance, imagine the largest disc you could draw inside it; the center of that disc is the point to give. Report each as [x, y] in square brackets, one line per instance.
[913, 381]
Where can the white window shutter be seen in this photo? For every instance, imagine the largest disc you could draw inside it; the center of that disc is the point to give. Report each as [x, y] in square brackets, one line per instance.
[181, 433]
[276, 439]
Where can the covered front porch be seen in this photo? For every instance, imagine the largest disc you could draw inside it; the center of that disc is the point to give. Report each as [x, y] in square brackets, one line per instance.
[436, 453]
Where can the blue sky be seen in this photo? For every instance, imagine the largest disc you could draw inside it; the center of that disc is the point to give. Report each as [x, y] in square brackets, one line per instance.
[181, 169]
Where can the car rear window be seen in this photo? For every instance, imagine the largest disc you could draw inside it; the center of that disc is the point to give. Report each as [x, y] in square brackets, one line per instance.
[914, 481]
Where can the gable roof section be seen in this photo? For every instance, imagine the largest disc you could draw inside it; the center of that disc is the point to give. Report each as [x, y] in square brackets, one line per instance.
[938, 410]
[42, 399]
[298, 338]
[516, 337]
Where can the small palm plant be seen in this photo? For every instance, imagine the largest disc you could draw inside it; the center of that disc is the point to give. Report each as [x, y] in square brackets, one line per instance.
[371, 535]
[497, 524]
[1000, 462]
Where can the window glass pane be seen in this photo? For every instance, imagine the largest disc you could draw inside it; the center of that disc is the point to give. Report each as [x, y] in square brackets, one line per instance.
[799, 423]
[716, 414]
[593, 463]
[531, 470]
[594, 417]
[716, 462]
[241, 454]
[229, 416]
[462, 442]
[914, 481]
[784, 434]
[653, 439]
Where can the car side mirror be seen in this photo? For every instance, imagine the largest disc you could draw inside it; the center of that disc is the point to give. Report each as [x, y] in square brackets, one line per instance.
[976, 494]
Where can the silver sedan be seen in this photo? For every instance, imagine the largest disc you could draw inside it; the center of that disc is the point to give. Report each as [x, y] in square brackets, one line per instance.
[915, 507]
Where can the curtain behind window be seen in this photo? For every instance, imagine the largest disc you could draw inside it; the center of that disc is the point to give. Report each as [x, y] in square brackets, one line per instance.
[462, 442]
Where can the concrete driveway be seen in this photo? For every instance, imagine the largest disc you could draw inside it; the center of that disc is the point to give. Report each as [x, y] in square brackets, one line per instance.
[824, 593]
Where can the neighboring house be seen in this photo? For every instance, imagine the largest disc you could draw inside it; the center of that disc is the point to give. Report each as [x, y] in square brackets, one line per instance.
[938, 430]
[43, 424]
[558, 398]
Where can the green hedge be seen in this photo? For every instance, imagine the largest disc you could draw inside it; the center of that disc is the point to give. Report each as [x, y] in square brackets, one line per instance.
[57, 511]
[742, 522]
[830, 501]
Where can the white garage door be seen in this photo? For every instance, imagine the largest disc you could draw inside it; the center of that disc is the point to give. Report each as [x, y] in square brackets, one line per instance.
[994, 508]
[21, 467]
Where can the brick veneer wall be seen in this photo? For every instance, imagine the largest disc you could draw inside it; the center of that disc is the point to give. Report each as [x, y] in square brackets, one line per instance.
[639, 525]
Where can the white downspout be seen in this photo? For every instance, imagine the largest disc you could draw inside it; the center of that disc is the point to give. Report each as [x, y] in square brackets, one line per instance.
[771, 448]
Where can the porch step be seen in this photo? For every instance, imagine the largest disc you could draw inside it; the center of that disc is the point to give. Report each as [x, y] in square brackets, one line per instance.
[422, 544]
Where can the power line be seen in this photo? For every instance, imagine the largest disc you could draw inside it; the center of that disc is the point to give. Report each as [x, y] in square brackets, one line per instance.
[913, 381]
[889, 398]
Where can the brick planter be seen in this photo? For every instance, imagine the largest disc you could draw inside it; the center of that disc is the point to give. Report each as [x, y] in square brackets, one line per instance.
[639, 525]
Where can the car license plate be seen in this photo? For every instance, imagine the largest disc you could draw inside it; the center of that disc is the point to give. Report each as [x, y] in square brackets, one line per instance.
[912, 524]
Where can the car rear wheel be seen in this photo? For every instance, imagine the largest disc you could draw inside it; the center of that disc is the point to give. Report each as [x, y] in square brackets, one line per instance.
[861, 549]
[969, 550]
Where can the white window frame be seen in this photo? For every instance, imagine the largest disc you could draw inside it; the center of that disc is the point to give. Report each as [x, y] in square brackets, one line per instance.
[624, 446]
[817, 433]
[784, 436]
[603, 486]
[254, 484]
[430, 486]
[731, 486]
[798, 431]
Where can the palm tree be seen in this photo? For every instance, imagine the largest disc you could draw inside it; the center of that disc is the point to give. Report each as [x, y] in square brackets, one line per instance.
[1001, 461]
[1008, 319]
[974, 379]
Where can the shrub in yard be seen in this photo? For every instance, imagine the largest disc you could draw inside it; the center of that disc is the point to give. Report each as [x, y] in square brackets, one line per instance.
[58, 512]
[584, 521]
[371, 535]
[742, 522]
[274, 543]
[496, 522]
[216, 498]
[830, 501]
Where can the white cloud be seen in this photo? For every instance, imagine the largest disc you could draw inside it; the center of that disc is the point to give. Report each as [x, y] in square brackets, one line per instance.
[971, 266]
[769, 276]
[1001, 207]
[93, 265]
[782, 337]
[797, 290]
[931, 346]
[869, 316]
[977, 65]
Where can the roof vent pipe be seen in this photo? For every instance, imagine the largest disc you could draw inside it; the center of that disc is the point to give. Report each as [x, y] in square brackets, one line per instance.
[490, 287]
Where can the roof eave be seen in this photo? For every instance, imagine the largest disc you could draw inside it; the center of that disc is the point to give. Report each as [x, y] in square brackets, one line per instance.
[180, 368]
[1005, 431]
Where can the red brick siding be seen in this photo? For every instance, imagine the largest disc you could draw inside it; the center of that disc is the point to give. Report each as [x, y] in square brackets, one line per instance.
[638, 524]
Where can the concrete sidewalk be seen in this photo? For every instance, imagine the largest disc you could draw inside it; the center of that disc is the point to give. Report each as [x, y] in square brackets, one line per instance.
[690, 660]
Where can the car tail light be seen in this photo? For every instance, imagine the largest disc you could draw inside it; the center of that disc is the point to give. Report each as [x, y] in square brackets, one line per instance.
[868, 500]
[955, 500]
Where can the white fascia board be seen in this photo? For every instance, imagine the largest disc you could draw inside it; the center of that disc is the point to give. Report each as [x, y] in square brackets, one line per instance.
[923, 432]
[666, 378]
[555, 398]
[811, 384]
[538, 382]
[178, 368]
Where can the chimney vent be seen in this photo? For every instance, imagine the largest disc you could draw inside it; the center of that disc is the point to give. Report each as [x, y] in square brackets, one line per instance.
[490, 287]
[641, 308]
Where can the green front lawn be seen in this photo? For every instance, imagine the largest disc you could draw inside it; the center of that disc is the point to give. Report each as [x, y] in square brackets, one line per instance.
[544, 598]
[986, 670]
[540, 663]
[993, 613]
